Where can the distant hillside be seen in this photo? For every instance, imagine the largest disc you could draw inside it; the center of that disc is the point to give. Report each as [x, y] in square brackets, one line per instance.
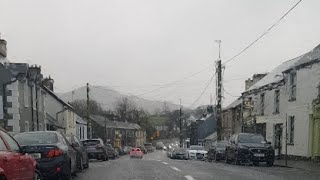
[108, 97]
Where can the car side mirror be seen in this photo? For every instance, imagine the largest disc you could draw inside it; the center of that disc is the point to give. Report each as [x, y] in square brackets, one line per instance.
[23, 150]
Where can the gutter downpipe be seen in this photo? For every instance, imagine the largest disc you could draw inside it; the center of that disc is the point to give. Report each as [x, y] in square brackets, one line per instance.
[64, 109]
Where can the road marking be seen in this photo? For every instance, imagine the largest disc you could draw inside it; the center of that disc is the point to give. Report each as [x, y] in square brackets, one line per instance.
[164, 162]
[175, 168]
[188, 177]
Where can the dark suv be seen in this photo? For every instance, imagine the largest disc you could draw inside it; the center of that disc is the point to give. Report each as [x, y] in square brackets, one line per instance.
[249, 148]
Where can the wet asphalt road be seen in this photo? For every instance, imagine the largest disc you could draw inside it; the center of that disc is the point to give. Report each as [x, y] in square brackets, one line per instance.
[156, 166]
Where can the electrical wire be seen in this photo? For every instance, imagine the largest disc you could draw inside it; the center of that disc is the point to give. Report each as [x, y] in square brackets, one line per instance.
[263, 34]
[204, 90]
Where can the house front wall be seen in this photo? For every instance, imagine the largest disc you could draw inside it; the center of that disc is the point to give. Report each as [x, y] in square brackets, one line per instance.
[308, 80]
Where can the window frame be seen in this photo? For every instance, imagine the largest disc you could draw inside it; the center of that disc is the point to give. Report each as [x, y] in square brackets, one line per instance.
[293, 86]
[291, 128]
[276, 101]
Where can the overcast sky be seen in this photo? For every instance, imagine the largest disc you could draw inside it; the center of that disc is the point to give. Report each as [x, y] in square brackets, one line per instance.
[136, 45]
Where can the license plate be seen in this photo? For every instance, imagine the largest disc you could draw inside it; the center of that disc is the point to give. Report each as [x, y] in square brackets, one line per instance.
[258, 155]
[36, 155]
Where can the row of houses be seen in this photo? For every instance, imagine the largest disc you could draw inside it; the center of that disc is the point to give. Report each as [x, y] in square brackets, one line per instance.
[28, 103]
[283, 106]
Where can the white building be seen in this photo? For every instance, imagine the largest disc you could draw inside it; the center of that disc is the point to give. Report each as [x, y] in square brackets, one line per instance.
[282, 102]
[81, 128]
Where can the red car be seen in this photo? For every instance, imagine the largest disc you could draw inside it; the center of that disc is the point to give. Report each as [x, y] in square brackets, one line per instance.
[136, 153]
[14, 163]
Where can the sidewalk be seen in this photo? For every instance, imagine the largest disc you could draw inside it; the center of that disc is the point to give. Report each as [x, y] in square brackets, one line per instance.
[299, 164]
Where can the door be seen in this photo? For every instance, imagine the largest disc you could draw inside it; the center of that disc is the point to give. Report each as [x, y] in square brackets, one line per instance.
[22, 165]
[278, 128]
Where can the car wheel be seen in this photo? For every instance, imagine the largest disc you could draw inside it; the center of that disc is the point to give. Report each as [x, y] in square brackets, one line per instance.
[81, 166]
[37, 175]
[104, 158]
[227, 161]
[66, 175]
[270, 163]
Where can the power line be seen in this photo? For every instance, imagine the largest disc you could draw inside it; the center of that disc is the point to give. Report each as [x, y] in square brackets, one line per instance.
[204, 90]
[174, 82]
[275, 24]
[229, 93]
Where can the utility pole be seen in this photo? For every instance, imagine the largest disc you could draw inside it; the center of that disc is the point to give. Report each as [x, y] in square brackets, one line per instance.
[219, 93]
[180, 123]
[88, 114]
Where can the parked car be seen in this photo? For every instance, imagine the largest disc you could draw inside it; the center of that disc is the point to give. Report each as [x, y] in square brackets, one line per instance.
[159, 145]
[149, 147]
[197, 152]
[249, 148]
[96, 149]
[14, 162]
[136, 153]
[217, 151]
[120, 151]
[112, 152]
[143, 149]
[82, 153]
[55, 156]
[179, 153]
[127, 149]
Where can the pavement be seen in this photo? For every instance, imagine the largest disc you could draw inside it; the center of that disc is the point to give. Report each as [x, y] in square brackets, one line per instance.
[299, 164]
[156, 166]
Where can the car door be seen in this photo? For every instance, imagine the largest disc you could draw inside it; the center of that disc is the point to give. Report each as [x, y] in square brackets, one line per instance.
[20, 163]
[82, 149]
[6, 164]
[72, 153]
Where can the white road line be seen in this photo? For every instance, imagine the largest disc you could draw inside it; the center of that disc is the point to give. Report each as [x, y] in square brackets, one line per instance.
[175, 168]
[164, 162]
[188, 177]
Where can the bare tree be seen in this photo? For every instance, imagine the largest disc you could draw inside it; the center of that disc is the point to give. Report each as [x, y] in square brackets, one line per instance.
[123, 109]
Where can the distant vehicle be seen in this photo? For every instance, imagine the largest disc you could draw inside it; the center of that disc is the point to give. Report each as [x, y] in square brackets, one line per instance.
[179, 153]
[96, 149]
[120, 151]
[159, 145]
[217, 151]
[249, 148]
[55, 155]
[136, 153]
[149, 147]
[197, 152]
[143, 149]
[127, 149]
[14, 162]
[82, 153]
[112, 152]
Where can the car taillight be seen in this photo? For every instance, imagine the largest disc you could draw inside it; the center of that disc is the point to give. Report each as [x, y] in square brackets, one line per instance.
[54, 153]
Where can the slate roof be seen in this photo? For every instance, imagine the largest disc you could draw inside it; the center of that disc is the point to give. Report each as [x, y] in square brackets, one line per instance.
[234, 104]
[114, 124]
[57, 97]
[309, 57]
[275, 75]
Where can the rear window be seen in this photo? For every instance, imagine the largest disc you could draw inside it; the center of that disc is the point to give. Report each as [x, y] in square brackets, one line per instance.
[36, 138]
[91, 142]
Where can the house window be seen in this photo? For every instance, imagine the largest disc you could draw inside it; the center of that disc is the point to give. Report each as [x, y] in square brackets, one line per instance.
[276, 101]
[291, 129]
[26, 94]
[262, 104]
[293, 86]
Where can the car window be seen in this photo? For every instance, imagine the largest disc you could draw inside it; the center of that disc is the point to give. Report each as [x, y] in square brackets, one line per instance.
[3, 147]
[75, 139]
[11, 142]
[35, 138]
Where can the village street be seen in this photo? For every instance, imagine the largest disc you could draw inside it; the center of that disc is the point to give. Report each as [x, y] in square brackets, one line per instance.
[157, 166]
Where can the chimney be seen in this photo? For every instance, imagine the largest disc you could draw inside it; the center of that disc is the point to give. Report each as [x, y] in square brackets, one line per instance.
[3, 48]
[255, 78]
[48, 82]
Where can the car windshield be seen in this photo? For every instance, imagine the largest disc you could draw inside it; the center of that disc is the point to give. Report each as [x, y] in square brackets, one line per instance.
[36, 138]
[108, 76]
[251, 138]
[196, 148]
[90, 142]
